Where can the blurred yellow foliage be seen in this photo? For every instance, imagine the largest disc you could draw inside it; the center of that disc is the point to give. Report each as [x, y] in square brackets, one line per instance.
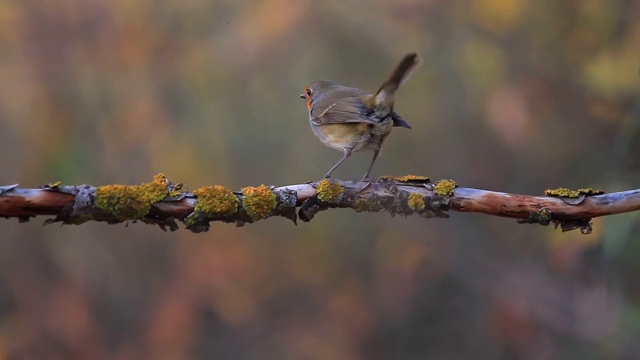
[499, 16]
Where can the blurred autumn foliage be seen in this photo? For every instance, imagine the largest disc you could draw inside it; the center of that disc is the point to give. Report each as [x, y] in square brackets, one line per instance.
[513, 95]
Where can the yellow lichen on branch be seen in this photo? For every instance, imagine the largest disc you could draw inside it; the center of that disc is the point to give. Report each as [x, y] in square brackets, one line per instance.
[127, 202]
[406, 178]
[215, 201]
[564, 192]
[416, 201]
[258, 201]
[445, 187]
[329, 191]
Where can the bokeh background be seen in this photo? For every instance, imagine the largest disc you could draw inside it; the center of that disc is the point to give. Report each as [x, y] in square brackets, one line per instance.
[513, 95]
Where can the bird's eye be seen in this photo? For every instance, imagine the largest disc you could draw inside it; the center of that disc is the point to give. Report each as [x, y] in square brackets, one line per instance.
[309, 91]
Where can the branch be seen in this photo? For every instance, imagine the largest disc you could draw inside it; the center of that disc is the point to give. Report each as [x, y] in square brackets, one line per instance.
[163, 203]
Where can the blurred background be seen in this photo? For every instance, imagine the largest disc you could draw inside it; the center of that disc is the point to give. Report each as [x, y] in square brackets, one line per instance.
[513, 95]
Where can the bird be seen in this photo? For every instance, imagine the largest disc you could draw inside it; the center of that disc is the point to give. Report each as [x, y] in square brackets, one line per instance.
[351, 119]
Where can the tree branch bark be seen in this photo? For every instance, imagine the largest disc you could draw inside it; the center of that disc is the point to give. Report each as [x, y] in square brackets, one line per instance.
[163, 203]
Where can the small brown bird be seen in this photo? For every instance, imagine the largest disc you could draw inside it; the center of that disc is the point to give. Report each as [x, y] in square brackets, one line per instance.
[351, 119]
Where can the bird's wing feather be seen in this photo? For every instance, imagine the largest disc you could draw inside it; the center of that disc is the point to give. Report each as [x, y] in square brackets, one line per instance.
[349, 110]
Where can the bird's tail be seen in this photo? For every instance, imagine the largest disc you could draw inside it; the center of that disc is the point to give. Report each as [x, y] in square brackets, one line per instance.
[382, 100]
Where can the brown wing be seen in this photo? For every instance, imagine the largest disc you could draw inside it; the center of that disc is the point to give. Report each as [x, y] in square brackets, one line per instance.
[346, 110]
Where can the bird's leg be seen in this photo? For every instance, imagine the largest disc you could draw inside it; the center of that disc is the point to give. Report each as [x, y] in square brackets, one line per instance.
[375, 156]
[347, 153]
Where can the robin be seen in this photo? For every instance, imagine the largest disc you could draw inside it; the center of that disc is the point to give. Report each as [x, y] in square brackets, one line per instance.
[350, 119]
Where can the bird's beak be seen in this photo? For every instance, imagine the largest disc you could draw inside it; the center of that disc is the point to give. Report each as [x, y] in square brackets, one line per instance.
[303, 96]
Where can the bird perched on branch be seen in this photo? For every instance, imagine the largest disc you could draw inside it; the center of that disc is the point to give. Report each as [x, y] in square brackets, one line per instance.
[350, 119]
